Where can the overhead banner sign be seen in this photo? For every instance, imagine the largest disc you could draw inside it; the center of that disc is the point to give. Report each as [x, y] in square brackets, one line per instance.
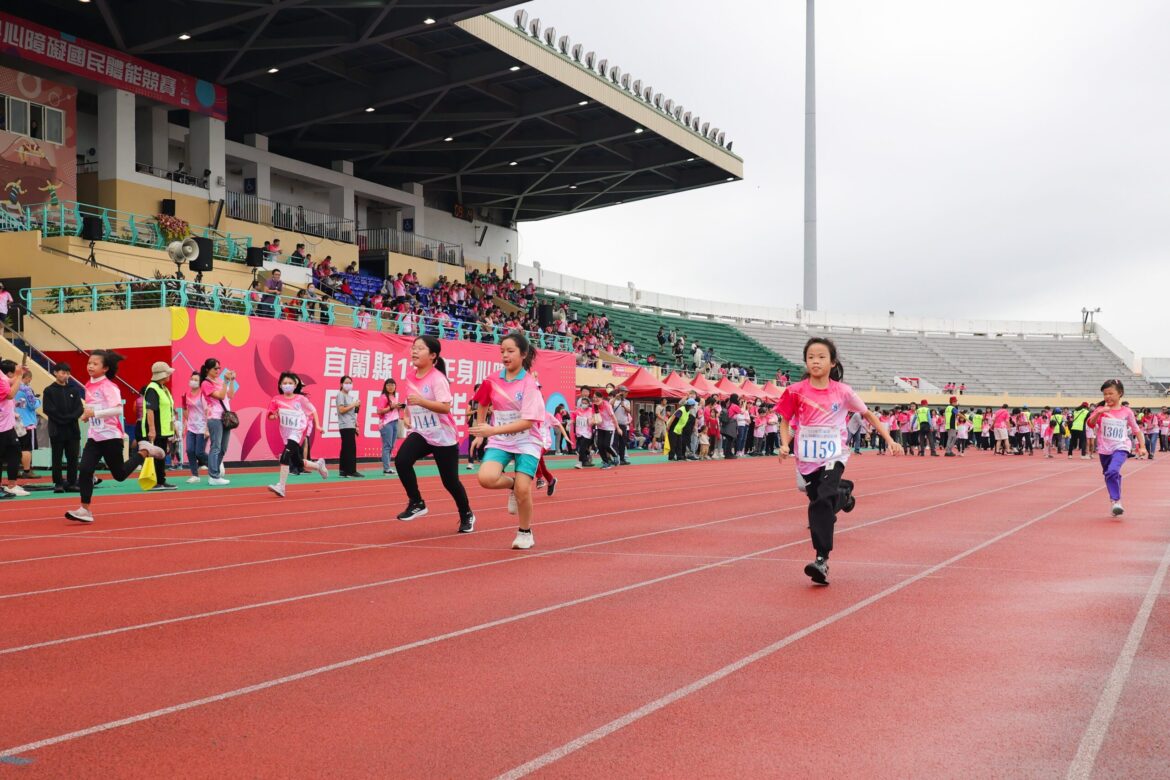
[70, 54]
[258, 349]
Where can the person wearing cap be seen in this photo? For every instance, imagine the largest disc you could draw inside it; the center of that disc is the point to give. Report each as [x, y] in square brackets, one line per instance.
[1057, 429]
[678, 430]
[925, 435]
[63, 404]
[623, 414]
[158, 418]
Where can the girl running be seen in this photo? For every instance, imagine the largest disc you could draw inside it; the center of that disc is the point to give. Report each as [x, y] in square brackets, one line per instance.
[11, 376]
[515, 435]
[583, 430]
[819, 406]
[1114, 423]
[387, 408]
[292, 412]
[432, 432]
[103, 412]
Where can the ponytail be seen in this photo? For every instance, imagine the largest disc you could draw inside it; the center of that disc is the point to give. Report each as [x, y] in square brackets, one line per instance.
[110, 359]
[435, 347]
[527, 351]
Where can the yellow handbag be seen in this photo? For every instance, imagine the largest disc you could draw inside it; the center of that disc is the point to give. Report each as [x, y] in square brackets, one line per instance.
[147, 478]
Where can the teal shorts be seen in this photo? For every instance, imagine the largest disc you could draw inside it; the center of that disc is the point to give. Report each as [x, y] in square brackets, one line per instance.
[525, 464]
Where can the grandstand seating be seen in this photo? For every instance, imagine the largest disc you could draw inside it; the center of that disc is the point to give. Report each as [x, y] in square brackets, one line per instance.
[641, 329]
[988, 366]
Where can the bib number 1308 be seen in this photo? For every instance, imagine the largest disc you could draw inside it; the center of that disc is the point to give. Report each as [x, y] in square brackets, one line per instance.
[818, 444]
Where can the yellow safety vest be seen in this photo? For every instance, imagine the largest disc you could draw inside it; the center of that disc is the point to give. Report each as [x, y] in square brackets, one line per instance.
[166, 410]
[923, 415]
[1078, 419]
[683, 417]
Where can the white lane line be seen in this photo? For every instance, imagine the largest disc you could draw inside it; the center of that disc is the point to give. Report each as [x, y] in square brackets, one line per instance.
[1095, 733]
[411, 543]
[652, 707]
[176, 708]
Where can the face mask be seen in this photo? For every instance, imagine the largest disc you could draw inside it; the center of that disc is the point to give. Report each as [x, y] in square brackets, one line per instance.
[347, 386]
[288, 389]
[194, 384]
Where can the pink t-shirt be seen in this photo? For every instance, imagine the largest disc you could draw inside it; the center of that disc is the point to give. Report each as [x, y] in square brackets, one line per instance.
[103, 395]
[1113, 427]
[293, 414]
[196, 418]
[1000, 420]
[7, 406]
[436, 429]
[608, 421]
[583, 422]
[212, 406]
[820, 415]
[519, 399]
[382, 408]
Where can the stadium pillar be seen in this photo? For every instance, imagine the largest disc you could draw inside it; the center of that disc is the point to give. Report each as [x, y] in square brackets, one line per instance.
[262, 173]
[417, 212]
[810, 163]
[208, 150]
[115, 135]
[152, 131]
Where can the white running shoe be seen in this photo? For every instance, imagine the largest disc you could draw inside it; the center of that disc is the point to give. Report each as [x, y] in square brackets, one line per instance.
[218, 481]
[16, 490]
[278, 489]
[470, 466]
[151, 451]
[578, 466]
[194, 481]
[80, 515]
[323, 468]
[513, 508]
[1118, 510]
[523, 541]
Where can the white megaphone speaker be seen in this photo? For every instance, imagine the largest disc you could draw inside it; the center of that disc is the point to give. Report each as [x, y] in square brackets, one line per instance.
[183, 251]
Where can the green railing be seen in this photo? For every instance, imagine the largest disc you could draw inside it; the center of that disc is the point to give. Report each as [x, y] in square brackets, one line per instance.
[66, 218]
[161, 293]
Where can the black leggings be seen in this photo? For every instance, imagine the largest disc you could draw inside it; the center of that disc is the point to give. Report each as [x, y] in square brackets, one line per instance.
[110, 451]
[348, 464]
[414, 448]
[584, 444]
[10, 453]
[291, 456]
[728, 446]
[605, 446]
[827, 493]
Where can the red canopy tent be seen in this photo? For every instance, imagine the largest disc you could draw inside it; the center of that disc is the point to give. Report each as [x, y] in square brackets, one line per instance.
[703, 385]
[773, 390]
[642, 384]
[726, 387]
[677, 382]
[752, 389]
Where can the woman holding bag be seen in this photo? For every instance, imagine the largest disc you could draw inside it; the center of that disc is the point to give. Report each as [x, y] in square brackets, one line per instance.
[217, 386]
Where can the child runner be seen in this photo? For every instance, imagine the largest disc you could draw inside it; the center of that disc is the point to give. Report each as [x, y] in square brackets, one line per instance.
[515, 435]
[819, 406]
[292, 412]
[1113, 423]
[431, 424]
[11, 376]
[103, 410]
[194, 428]
[583, 430]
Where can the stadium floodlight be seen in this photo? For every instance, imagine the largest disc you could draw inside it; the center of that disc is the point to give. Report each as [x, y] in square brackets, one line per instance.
[706, 128]
[695, 124]
[637, 87]
[615, 73]
[578, 51]
[678, 112]
[534, 28]
[648, 96]
[714, 133]
[720, 137]
[668, 106]
[729, 146]
[603, 67]
[687, 119]
[550, 37]
[521, 19]
[563, 45]
[590, 59]
[626, 82]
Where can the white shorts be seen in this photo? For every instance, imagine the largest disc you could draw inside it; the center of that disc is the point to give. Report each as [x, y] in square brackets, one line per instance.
[1001, 434]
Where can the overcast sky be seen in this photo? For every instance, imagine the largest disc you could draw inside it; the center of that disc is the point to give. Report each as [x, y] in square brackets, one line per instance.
[1001, 158]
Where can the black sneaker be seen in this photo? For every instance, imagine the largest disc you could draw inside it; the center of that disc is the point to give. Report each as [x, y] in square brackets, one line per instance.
[466, 522]
[818, 571]
[847, 500]
[413, 509]
[59, 489]
[552, 486]
[163, 487]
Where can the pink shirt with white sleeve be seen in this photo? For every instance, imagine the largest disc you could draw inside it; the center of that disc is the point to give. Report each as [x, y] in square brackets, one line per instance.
[104, 397]
[1113, 427]
[821, 416]
[518, 399]
[438, 430]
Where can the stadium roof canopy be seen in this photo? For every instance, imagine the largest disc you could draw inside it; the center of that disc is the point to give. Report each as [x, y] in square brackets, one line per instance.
[478, 111]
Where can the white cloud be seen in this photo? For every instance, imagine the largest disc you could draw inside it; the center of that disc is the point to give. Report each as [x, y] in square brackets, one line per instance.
[992, 159]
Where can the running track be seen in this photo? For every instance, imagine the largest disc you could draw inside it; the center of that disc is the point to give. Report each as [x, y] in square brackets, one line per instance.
[986, 619]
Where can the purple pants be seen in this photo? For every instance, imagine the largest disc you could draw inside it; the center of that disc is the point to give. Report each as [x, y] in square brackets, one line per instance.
[1111, 465]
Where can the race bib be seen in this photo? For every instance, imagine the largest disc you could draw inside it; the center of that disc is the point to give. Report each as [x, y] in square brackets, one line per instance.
[293, 421]
[818, 443]
[423, 419]
[506, 418]
[1114, 430]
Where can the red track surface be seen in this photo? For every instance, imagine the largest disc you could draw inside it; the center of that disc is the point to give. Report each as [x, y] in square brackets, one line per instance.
[986, 619]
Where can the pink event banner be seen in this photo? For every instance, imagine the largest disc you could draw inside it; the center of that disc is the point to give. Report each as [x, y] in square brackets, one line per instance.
[258, 349]
[70, 54]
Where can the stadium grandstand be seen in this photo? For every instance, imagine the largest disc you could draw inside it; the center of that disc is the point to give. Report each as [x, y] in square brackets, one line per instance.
[274, 235]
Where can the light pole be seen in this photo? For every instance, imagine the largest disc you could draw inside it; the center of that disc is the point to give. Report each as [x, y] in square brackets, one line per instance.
[810, 162]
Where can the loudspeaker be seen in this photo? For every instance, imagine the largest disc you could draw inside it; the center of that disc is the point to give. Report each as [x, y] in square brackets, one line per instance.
[544, 315]
[168, 207]
[255, 257]
[91, 228]
[202, 263]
